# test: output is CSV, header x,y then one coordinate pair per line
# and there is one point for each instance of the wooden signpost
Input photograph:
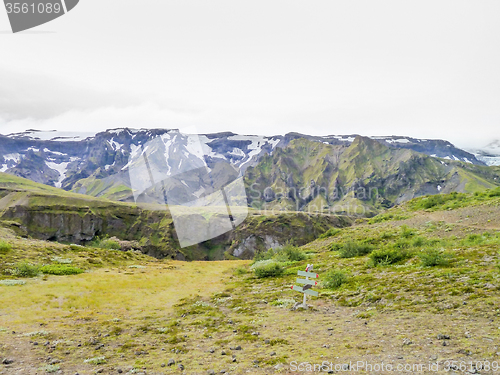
x,y
307,284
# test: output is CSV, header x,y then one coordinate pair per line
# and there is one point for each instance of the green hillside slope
x,y
360,179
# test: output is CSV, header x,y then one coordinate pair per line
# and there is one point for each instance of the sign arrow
x,y
308,274
307,282
307,291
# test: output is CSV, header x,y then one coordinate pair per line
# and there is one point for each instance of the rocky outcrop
x,y
75,219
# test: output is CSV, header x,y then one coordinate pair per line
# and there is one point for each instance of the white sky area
x,y
427,69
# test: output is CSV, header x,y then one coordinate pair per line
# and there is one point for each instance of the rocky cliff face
x,y
52,214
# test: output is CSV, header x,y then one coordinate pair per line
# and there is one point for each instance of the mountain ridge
x,y
98,165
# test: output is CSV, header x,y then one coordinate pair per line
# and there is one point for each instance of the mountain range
x,y
292,171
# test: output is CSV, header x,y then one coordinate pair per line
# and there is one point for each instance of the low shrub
x,y
353,249
418,241
334,279
96,360
240,271
474,239
26,270
402,244
12,282
264,255
388,256
386,217
494,192
284,302
435,257
60,269
5,247
110,245
272,269
289,253
105,243
330,233
406,232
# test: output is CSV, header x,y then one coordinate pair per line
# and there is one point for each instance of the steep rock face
x,y
260,233
52,214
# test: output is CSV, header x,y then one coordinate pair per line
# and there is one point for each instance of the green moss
x,y
60,269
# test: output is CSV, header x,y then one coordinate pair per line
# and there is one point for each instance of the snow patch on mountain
x,y
115,145
16,157
11,160
52,135
489,154
61,168
46,150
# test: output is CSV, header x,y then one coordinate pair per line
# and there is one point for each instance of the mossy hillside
x,y
367,174
40,253
106,188
454,201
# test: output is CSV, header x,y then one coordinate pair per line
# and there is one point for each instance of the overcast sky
x,y
427,69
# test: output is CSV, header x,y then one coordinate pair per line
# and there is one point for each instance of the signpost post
x,y
307,284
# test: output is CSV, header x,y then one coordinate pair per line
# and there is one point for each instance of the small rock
x,y
99,371
237,348
464,351
443,337
211,350
163,365
54,361
223,352
7,361
211,372
407,342
445,343
272,353
267,341
171,362
255,333
181,367
120,371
